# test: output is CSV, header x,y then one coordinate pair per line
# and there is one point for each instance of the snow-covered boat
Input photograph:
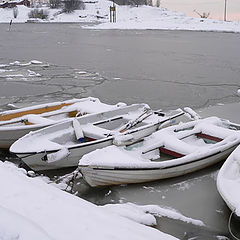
x,y
169,152
17,123
228,182
63,144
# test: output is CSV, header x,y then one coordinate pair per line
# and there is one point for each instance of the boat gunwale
x,y
37,109
79,145
152,168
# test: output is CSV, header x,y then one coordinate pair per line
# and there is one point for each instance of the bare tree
x,y
203,15
55,3
71,5
38,13
158,3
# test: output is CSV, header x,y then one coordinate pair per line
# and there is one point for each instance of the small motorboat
x,y
169,152
17,123
228,182
63,144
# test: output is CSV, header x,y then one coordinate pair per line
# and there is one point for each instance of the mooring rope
x,y
72,181
229,226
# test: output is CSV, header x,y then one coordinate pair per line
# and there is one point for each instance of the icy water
x,y
162,68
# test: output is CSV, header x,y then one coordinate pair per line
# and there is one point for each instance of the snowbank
x,y
128,17
146,17
49,213
144,214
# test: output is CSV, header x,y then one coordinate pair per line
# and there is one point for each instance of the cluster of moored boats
x,y
121,144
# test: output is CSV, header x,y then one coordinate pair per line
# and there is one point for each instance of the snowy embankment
x,y
33,209
128,17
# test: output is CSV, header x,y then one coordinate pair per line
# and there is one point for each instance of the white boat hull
x,y
14,124
35,162
228,182
9,136
97,177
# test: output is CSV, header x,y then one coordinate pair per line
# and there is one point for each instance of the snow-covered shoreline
x,y
32,209
96,16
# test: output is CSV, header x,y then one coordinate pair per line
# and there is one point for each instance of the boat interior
x,y
183,147
45,115
94,131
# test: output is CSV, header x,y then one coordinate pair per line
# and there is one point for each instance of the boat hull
x,y
228,182
35,162
97,177
15,124
10,135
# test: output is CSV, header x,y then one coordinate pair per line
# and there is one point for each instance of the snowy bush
x,y
55,3
38,13
71,5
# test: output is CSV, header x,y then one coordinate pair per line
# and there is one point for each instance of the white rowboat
x,y
170,152
58,146
228,182
17,123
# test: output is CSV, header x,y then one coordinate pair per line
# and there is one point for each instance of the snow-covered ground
x,y
32,209
142,17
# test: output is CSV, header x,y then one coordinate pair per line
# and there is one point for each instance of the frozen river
x,y
166,69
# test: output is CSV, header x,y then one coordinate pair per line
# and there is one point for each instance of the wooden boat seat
x,y
34,111
179,147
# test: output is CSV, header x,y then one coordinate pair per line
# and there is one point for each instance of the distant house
x,y
14,3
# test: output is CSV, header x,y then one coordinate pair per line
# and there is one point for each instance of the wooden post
x,y
110,14
113,13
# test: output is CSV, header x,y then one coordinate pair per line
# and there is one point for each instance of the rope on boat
x,y
229,226
75,174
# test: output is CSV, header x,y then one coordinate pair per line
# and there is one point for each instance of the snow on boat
x,y
63,144
228,182
17,123
169,152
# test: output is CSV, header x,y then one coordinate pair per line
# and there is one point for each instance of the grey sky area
x,y
215,7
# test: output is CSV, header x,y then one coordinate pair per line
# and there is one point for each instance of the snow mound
x,y
49,213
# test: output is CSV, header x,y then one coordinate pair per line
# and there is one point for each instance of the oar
x,y
132,123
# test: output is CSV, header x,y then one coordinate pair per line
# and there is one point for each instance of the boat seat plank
x,y
95,132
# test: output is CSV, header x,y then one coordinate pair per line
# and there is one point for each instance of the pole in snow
x,y
10,24
225,10
113,13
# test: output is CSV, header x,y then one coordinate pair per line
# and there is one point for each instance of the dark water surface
x,y
163,68
166,69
